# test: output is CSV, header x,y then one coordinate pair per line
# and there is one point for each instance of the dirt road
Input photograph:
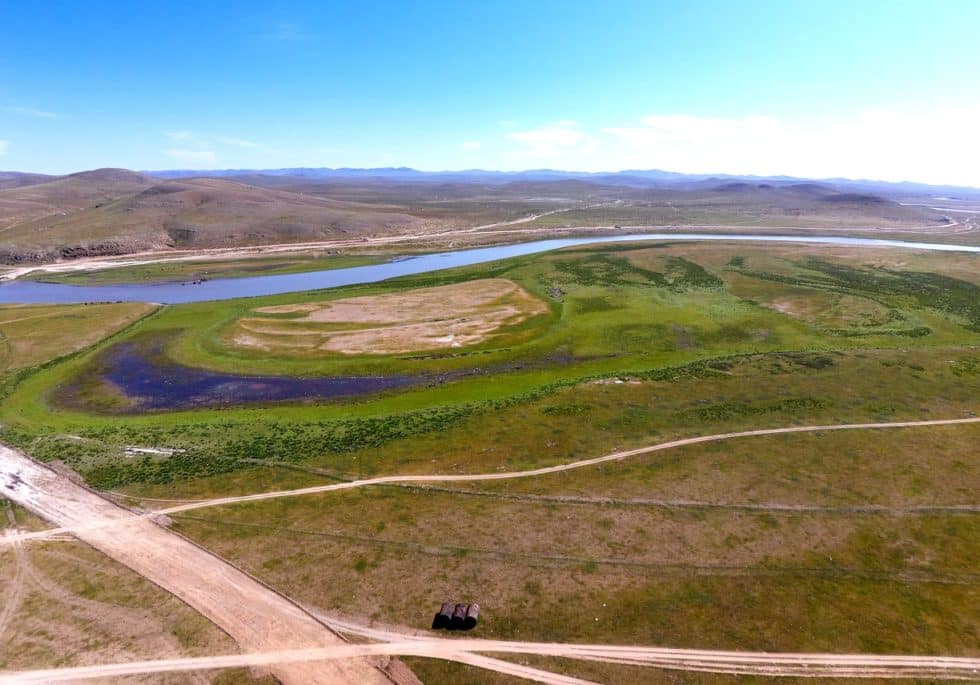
x,y
452,478
257,618
705,661
278,634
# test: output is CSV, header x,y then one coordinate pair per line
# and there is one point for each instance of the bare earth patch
x,y
445,316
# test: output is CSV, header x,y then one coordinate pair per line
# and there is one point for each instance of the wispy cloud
x,y
471,145
241,142
180,136
291,32
192,156
4,146
201,148
558,141
31,112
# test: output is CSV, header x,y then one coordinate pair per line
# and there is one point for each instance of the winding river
x,y
33,292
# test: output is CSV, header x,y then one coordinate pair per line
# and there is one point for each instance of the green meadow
x,y
858,540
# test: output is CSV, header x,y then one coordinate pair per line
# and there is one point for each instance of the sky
x,y
856,89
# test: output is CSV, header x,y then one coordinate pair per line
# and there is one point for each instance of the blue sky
x,y
861,89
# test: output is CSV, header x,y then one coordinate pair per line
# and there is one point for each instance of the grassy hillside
x,y
116,212
15,179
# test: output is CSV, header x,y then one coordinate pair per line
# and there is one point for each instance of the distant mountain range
x,y
117,211
640,178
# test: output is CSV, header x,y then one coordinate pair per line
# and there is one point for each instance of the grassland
x,y
685,548
743,205
637,311
849,541
64,603
33,335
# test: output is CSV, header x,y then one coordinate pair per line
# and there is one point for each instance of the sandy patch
x,y
435,318
787,307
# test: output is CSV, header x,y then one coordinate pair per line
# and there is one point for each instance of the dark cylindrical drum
x,y
472,616
459,617
443,616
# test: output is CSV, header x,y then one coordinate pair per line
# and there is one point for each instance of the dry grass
x,y
34,334
66,604
442,317
679,575
117,212
680,572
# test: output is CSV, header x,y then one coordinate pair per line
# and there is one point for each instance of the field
x,y
32,335
103,612
826,541
441,317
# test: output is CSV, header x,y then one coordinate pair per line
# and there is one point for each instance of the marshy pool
x,y
137,376
141,378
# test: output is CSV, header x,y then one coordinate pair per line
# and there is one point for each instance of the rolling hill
x,y
117,211
113,211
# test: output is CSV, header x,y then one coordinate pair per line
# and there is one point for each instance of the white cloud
x,y
471,145
694,144
556,144
193,157
4,146
36,113
937,146
930,145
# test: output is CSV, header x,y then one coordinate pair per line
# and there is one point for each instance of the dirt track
x,y
708,661
453,478
278,634
257,618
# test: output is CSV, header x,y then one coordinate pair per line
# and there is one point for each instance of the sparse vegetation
x,y
848,541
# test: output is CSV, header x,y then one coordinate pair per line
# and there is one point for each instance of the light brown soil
x,y
256,617
425,319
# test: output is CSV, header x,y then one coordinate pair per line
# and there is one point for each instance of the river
x,y
34,292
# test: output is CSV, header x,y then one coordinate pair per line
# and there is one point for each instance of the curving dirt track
x,y
6,473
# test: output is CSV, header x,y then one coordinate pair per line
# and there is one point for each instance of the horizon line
x,y
538,170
